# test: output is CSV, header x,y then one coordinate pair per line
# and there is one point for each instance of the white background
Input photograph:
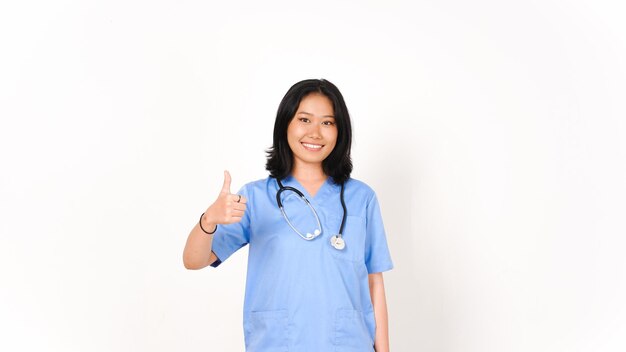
x,y
492,131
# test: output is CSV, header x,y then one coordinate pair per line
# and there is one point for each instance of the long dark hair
x,y
338,164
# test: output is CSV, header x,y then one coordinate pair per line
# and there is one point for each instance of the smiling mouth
x,y
312,147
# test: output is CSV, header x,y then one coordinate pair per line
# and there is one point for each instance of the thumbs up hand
x,y
228,208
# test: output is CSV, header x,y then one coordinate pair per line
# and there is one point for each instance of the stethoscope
x,y
336,241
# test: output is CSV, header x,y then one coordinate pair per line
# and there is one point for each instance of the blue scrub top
x,y
306,295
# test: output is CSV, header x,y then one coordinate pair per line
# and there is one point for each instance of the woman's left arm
x,y
377,292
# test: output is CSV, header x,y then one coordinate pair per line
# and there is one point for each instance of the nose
x,y
314,131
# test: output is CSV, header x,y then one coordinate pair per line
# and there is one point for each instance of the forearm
x,y
379,302
197,253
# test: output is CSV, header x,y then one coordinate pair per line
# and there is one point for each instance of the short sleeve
x,y
231,237
377,257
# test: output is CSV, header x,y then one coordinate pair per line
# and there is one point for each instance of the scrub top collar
x,y
328,188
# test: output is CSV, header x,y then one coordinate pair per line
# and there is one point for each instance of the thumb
x,y
226,186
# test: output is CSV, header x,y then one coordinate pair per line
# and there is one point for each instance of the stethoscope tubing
x,y
345,212
301,195
282,210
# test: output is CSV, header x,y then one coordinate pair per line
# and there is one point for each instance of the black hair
x,y
338,164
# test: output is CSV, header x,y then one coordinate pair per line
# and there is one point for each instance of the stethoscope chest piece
x,y
337,242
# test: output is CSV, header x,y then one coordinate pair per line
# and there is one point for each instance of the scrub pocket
x,y
351,333
354,236
266,331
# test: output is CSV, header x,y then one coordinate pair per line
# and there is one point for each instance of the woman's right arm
x,y
198,253
227,209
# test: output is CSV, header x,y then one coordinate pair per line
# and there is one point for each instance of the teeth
x,y
312,146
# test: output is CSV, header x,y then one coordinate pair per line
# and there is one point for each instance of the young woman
x,y
317,241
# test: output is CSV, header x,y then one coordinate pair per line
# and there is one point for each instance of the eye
x,y
304,119
328,123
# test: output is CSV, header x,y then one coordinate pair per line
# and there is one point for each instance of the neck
x,y
308,172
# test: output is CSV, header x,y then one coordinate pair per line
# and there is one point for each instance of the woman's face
x,y
312,133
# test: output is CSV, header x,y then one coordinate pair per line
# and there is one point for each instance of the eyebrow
x,y
308,113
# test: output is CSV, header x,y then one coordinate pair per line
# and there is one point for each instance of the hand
x,y
228,208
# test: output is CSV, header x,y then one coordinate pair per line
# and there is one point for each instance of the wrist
x,y
206,225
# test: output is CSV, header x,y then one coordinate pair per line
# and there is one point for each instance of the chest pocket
x,y
354,237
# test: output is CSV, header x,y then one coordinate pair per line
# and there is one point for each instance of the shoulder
x,y
259,185
359,186
360,189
